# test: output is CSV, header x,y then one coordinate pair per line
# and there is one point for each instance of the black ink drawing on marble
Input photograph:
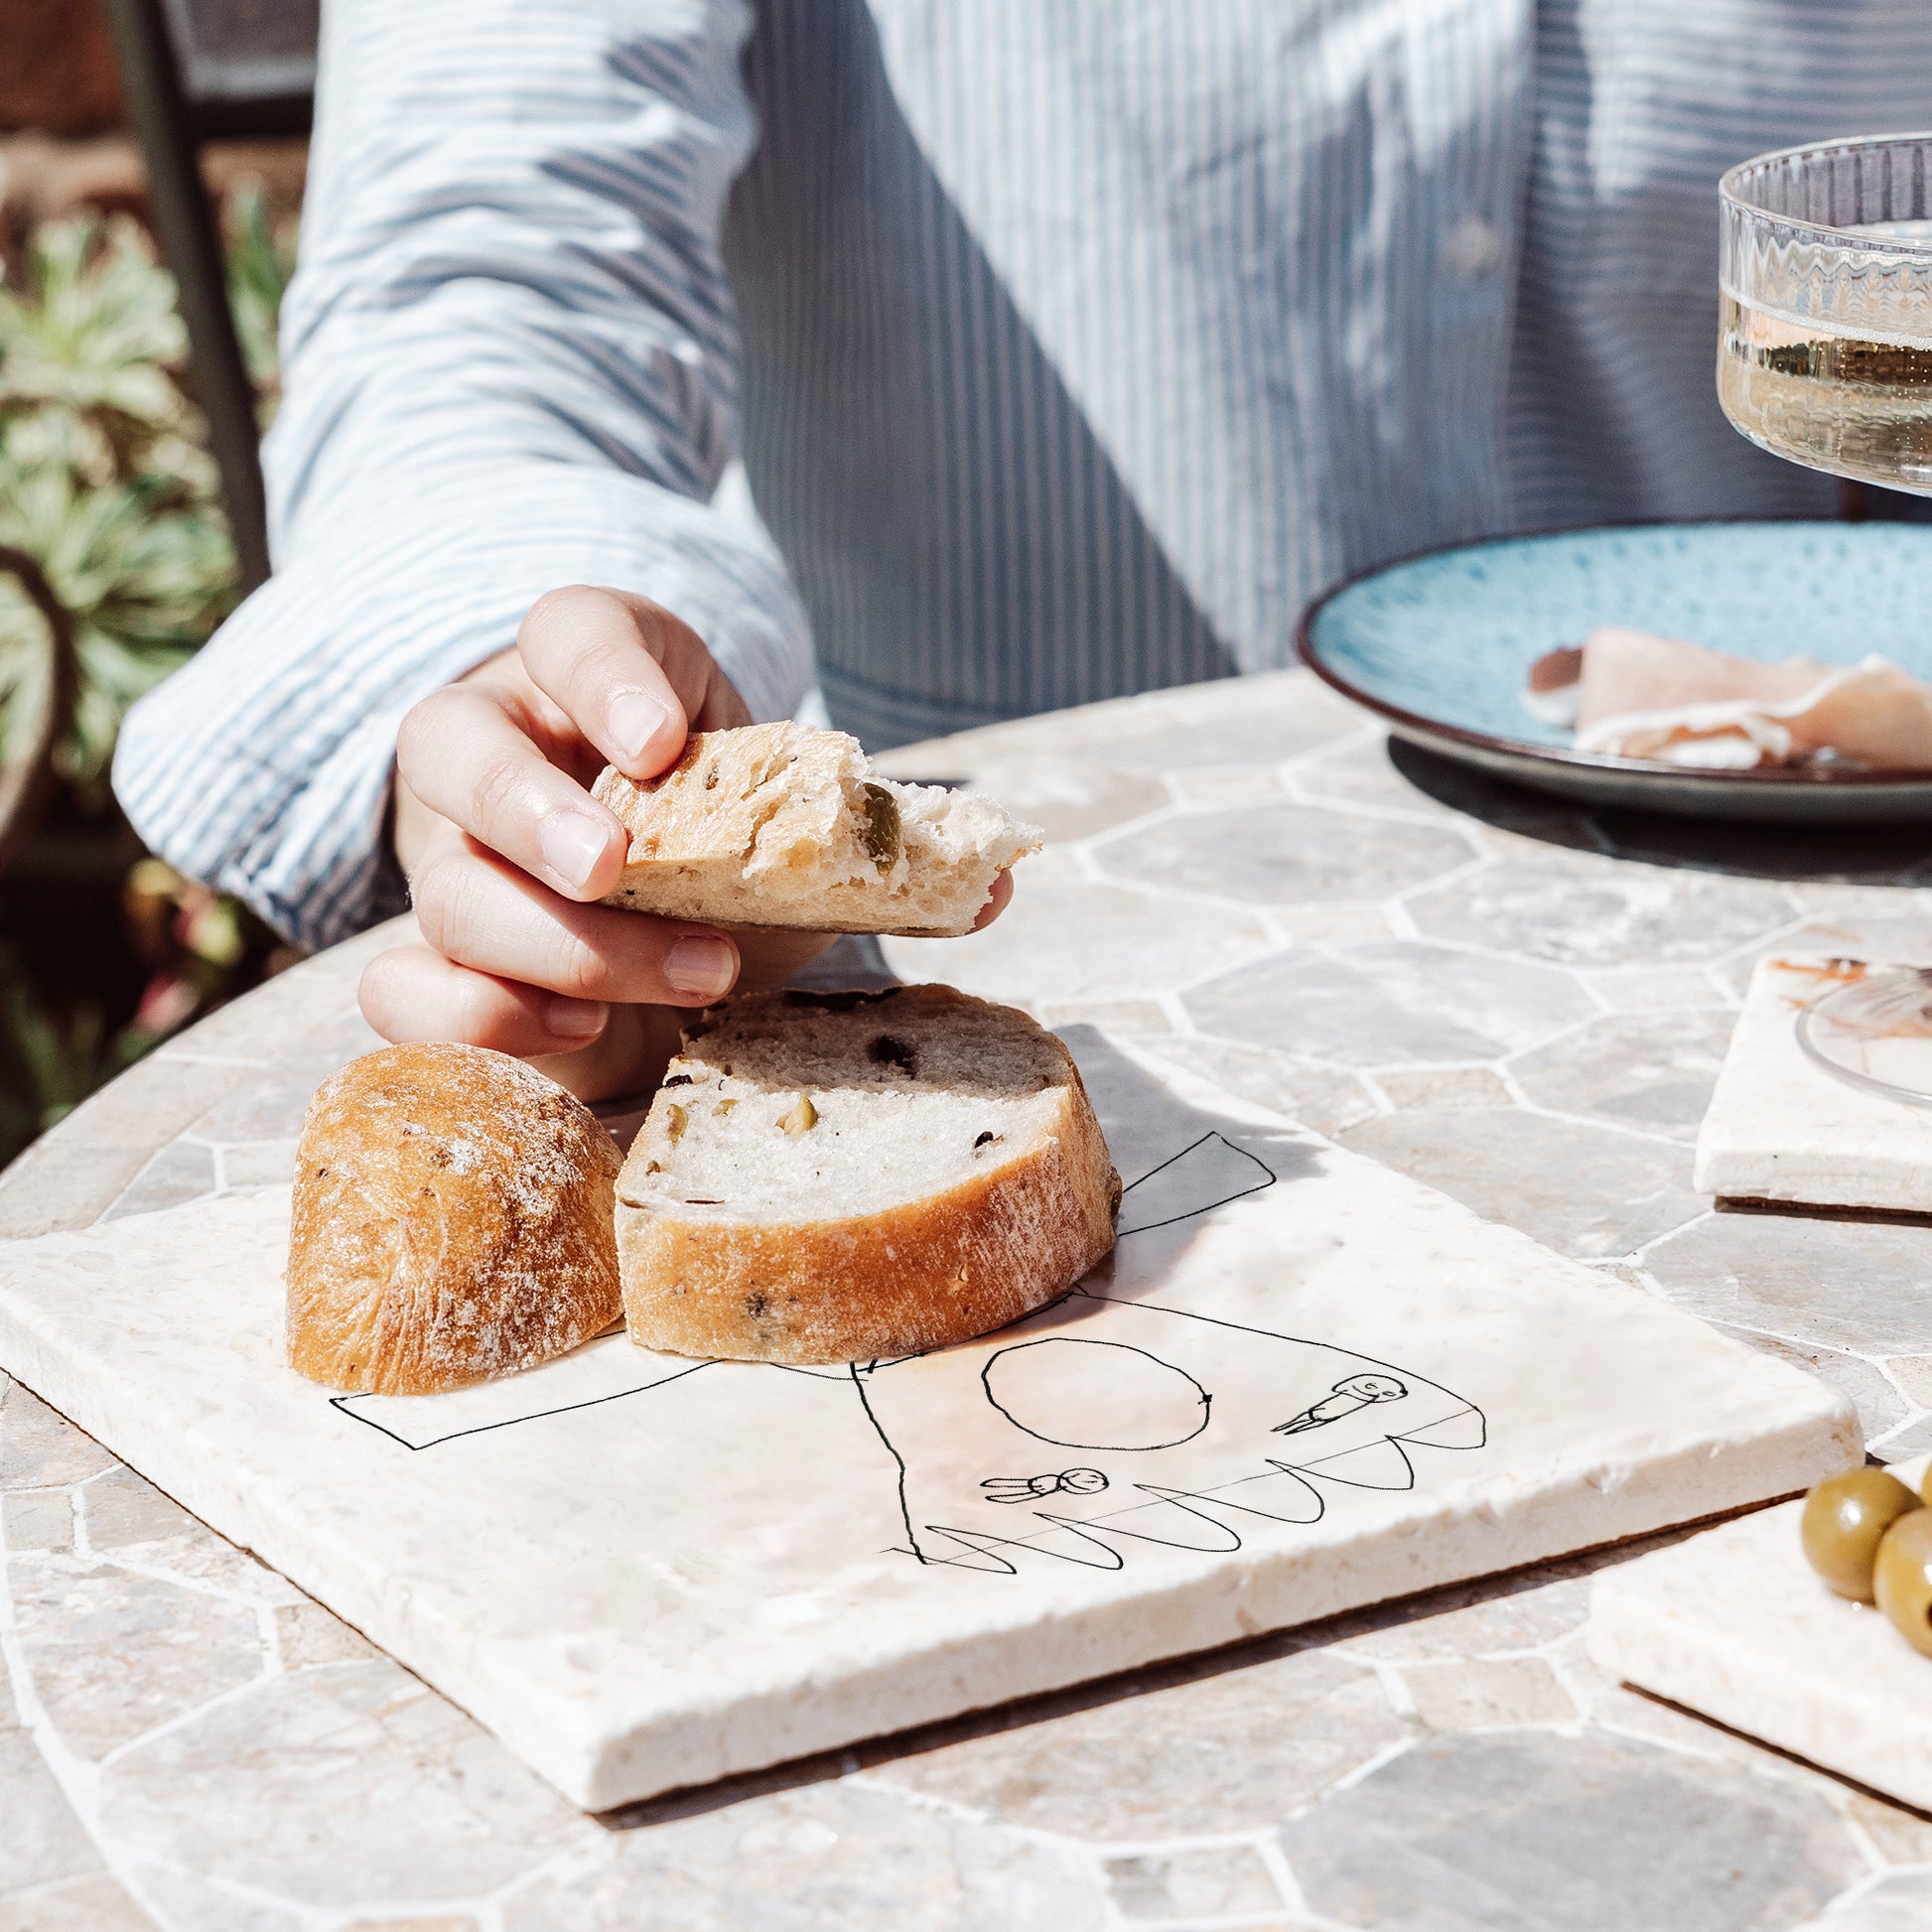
x,y
1176,1428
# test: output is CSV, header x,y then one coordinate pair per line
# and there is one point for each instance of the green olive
x,y
1903,1578
1845,1517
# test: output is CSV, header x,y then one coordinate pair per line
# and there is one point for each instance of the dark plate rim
x,y
1418,723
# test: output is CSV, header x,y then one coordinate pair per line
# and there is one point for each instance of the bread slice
x,y
844,1176
452,1222
776,825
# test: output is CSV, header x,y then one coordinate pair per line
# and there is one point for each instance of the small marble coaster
x,y
1301,1383
1733,1624
1781,1128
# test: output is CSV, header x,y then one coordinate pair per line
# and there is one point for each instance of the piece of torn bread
x,y
844,1177
777,825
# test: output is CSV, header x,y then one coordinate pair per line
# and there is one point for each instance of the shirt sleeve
x,y
510,363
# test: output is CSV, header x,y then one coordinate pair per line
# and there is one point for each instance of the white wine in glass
x,y
1825,335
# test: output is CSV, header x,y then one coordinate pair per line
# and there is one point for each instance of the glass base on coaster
x,y
1874,1033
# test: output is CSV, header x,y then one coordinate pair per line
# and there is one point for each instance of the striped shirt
x,y
1070,346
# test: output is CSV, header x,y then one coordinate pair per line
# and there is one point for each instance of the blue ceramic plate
x,y
1439,644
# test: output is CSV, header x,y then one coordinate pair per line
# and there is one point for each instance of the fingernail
x,y
701,968
570,1018
572,842
635,719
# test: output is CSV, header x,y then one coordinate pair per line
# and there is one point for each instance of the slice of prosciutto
x,y
1633,695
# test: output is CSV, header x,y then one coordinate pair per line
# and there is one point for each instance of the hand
x,y
508,853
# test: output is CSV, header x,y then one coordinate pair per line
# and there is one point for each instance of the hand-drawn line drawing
x,y
1026,1489
1172,1409
1352,1392
1155,1490
1151,1400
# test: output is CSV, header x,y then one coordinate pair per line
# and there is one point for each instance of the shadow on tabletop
x,y
1776,852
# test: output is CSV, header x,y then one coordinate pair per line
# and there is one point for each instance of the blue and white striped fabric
x,y
1070,346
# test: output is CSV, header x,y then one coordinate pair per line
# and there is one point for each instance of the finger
x,y
997,900
632,677
482,913
462,754
413,993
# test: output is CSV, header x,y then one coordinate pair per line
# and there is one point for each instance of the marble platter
x,y
1732,1623
1304,1382
1780,1128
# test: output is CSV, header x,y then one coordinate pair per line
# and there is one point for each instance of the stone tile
x,y
1284,855
50,1188
1339,923
1582,911
1669,990
1462,1088
1126,1016
122,1509
112,1654
37,1519
1068,799
85,1905
1900,1836
9,1710
126,1516
262,1108
1225,1754
1653,1071
1484,1624
1583,1190
1486,1692
442,1922
1320,1097
261,1026
1913,1374
1880,1404
1246,724
42,1840
148,1104
842,1856
40,1449
182,1170
189,1900
1900,1446
1385,772
1897,1904
1533,1831
1389,1005
1845,1283
1215,1882
264,1163
309,1634
1231,785
433,1806
1067,939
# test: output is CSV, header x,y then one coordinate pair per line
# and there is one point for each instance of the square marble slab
x,y
1733,1625
1303,1383
1780,1128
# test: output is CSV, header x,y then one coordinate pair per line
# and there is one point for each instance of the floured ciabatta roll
x,y
452,1222
776,825
837,1176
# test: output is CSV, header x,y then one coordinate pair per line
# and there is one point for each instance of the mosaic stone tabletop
x,y
1518,1002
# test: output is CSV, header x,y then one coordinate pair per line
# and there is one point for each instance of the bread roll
x,y
452,1222
829,1177
774,825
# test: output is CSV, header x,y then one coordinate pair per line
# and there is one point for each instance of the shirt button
x,y
1471,249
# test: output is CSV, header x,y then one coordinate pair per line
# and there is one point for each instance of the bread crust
x,y
452,1221
955,1264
